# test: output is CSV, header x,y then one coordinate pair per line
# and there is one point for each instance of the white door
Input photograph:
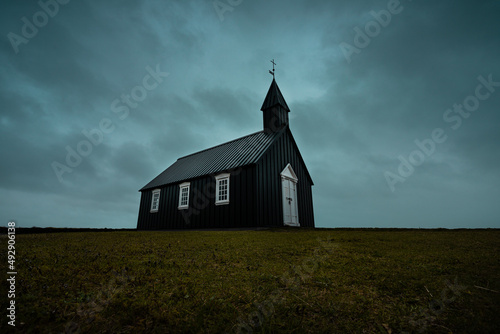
x,y
289,191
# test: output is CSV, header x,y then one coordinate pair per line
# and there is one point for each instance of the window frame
x,y
182,186
218,179
153,193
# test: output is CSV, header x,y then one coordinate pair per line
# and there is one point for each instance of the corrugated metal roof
x,y
274,98
236,153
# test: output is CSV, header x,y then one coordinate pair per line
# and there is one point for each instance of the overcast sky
x,y
162,79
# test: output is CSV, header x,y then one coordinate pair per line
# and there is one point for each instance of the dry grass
x,y
274,281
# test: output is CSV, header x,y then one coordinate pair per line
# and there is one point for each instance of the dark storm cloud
x,y
352,120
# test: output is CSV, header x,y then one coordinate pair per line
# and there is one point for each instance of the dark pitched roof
x,y
274,98
236,153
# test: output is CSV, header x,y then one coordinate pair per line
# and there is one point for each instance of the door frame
x,y
289,175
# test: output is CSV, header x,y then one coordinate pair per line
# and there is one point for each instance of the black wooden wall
x,y
269,169
203,213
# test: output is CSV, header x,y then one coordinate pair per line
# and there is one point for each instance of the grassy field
x,y
272,281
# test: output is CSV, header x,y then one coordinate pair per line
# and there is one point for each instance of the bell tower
x,y
275,110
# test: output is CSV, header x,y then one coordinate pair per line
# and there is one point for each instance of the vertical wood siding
x,y
269,169
203,213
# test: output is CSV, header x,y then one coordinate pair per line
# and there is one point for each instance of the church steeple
x,y
275,110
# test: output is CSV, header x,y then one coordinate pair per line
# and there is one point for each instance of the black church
x,y
259,180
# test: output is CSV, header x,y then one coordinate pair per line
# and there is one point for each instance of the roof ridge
x,y
213,147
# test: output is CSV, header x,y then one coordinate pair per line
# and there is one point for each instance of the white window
x,y
222,189
184,195
155,201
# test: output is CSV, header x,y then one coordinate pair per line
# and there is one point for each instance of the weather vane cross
x,y
272,72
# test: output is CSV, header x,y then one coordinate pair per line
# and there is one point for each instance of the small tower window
x,y
155,200
184,195
222,189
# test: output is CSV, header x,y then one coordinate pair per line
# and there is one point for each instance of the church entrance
x,y
289,192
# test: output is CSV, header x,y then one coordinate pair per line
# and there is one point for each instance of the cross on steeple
x,y
272,72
